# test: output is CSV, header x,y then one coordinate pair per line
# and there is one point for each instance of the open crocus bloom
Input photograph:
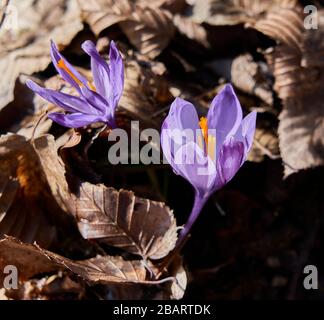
x,y
209,152
96,101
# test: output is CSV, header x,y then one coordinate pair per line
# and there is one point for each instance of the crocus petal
x,y
74,120
179,127
56,57
95,99
168,146
224,115
182,116
99,68
248,129
229,161
192,164
116,74
65,101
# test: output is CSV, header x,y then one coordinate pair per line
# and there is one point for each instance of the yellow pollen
x,y
91,85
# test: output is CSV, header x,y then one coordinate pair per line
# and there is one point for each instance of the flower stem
x,y
196,209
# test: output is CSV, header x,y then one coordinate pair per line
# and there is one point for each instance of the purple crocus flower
x,y
209,152
97,101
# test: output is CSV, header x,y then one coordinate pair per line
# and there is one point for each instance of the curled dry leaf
x,y
73,139
149,29
284,25
101,14
31,260
288,72
178,286
26,205
265,144
298,82
122,278
252,77
26,257
60,20
103,269
146,92
118,218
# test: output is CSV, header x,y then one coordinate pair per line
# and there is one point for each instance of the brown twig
x,y
42,116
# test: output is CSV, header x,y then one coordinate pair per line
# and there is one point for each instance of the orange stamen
x,y
61,64
210,140
203,123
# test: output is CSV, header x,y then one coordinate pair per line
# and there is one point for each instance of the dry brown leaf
x,y
265,144
313,45
103,269
191,29
26,205
3,295
24,49
101,14
301,132
252,77
31,260
217,12
149,29
28,260
146,92
284,25
123,278
288,73
232,12
178,286
174,6
54,287
118,218
299,83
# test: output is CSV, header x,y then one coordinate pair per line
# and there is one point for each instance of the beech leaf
x,y
31,260
149,29
26,205
118,218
